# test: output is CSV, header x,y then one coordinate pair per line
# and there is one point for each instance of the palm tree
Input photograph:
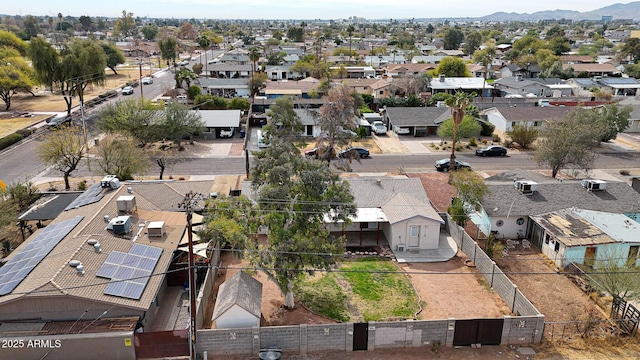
x,y
485,57
204,42
254,56
350,30
458,104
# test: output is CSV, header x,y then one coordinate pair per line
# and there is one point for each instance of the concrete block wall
x,y
327,337
522,329
225,341
285,337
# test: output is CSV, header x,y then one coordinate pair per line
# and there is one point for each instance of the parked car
x,y
379,128
492,150
127,90
147,80
227,132
318,152
184,63
362,152
443,165
401,131
59,120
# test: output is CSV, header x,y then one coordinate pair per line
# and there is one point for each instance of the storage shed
x,y
238,303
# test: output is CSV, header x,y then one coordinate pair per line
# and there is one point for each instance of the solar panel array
x,y
129,272
90,196
21,264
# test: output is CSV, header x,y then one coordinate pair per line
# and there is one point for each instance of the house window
x,y
546,238
633,253
414,231
381,92
513,123
536,123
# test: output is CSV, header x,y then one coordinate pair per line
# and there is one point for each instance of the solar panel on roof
x,y
90,196
129,272
21,264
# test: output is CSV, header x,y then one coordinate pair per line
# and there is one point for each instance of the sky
x,y
291,9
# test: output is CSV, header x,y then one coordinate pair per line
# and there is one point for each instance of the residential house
x,y
413,69
238,303
582,86
596,238
634,118
217,120
576,59
296,89
619,86
420,121
380,61
309,119
451,85
357,72
361,86
516,195
282,72
476,70
512,70
593,69
519,85
236,57
106,257
456,53
427,59
229,71
505,117
227,88
381,89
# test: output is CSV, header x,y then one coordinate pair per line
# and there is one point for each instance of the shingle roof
x,y
402,207
551,195
54,277
242,290
417,116
372,191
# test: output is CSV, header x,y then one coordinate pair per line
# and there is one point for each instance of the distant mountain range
x,y
618,11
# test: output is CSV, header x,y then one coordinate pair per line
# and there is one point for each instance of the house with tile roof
x,y
105,257
574,235
593,69
505,117
238,303
516,195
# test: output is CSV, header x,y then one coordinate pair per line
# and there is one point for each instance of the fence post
x,y
493,272
515,293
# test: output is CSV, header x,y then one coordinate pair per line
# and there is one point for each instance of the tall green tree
x,y
184,77
70,71
31,26
121,157
168,47
15,74
131,118
86,23
177,122
63,149
126,25
204,43
523,134
614,119
114,55
336,121
485,57
296,197
452,66
569,142
472,42
468,128
149,31
453,37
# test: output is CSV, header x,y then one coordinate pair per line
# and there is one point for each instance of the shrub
x,y
193,91
472,142
487,128
496,138
484,141
25,132
625,172
82,185
458,147
9,140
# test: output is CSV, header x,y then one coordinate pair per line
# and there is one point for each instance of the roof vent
x,y
130,190
156,228
97,247
80,269
74,263
92,242
107,218
126,203
594,185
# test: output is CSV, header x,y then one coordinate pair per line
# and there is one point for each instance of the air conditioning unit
x,y
126,203
156,228
110,182
526,187
594,185
120,225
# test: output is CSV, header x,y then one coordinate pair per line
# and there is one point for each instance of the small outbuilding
x,y
238,302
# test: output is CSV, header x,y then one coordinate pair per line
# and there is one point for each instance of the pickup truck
x,y
379,128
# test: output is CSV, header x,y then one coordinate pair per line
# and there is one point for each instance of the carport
x,y
421,121
215,120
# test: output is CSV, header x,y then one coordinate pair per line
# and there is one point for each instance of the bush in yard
x,y
496,138
193,91
472,142
523,134
487,128
9,140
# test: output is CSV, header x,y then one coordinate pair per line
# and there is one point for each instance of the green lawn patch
x,y
361,290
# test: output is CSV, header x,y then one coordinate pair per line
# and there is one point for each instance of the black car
x,y
443,165
317,152
492,150
352,151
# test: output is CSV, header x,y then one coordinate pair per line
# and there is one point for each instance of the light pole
x,y
141,84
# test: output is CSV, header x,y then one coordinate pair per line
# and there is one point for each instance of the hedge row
x,y
9,140
100,98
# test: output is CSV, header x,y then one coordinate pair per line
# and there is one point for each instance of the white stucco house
x,y
238,303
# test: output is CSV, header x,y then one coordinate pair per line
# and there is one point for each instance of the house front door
x,y
414,236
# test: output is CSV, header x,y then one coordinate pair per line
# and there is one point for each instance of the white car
x,y
147,81
401,130
127,90
379,128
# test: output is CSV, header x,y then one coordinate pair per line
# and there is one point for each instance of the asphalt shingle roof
x,y
417,116
242,289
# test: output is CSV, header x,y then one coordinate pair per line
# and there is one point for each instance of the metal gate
x,y
161,344
360,336
478,331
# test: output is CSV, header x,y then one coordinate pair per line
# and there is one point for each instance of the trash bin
x,y
242,133
96,141
263,123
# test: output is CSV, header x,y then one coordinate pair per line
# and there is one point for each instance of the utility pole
x,y
190,199
141,84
